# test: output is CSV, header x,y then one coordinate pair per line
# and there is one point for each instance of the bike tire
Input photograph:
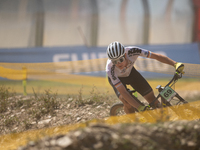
x,y
183,114
181,99
195,111
117,109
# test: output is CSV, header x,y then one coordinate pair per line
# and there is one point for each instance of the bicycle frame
x,y
167,92
166,98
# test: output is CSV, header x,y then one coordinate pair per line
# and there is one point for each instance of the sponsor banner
x,y
51,54
186,53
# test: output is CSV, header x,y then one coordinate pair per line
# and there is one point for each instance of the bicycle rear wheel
x,y
117,109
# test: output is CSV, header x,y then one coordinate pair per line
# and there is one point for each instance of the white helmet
x,y
115,50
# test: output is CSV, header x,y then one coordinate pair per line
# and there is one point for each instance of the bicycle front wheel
x,y
183,109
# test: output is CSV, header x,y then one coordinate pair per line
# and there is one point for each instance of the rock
x,y
31,143
34,122
78,119
16,128
53,142
191,144
196,126
68,105
44,121
64,142
179,128
98,106
98,145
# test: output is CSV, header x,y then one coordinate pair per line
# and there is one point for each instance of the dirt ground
x,y
26,113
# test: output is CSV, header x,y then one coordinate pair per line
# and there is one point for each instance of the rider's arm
x,y
162,58
125,94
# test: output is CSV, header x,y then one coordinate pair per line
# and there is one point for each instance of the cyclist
x,y
121,72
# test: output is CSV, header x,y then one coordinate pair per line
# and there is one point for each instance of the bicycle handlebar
x,y
176,76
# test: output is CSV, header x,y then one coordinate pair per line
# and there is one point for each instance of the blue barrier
x,y
187,53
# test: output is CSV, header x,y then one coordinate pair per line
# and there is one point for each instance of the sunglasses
x,y
120,60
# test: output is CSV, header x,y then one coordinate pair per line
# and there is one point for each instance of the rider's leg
x,y
127,107
150,97
140,84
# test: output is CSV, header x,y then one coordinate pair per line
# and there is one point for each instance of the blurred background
x,y
48,39
33,23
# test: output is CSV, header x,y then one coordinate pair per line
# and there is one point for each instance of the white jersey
x,y
132,54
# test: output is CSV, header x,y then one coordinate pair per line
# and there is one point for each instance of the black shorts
x,y
136,80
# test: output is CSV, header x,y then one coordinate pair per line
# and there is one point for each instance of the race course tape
x,y
66,70
181,112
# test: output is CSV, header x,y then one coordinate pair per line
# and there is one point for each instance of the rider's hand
x,y
179,67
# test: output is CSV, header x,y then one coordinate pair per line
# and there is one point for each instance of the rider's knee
x,y
120,97
129,109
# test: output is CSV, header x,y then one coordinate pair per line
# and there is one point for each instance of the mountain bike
x,y
167,97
